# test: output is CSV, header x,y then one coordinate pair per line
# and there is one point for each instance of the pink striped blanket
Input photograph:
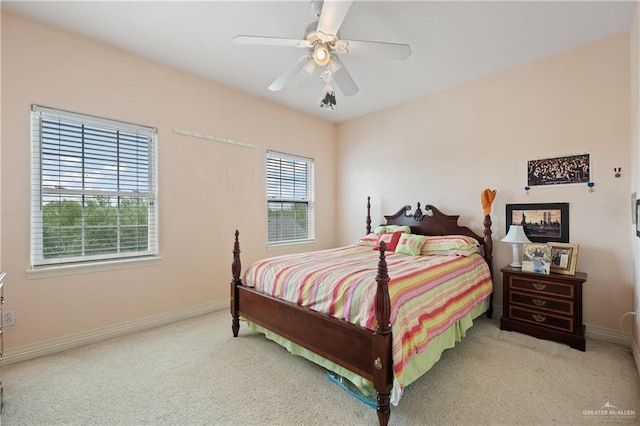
x,y
428,293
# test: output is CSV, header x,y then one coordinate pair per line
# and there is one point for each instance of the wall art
x,y
542,222
559,170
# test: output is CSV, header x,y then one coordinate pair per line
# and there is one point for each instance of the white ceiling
x,y
452,42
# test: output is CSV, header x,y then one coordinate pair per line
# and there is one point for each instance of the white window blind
x,y
289,198
93,189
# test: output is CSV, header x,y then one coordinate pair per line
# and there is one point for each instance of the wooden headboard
x,y
432,221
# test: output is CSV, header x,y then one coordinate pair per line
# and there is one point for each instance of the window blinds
x,y
93,188
289,198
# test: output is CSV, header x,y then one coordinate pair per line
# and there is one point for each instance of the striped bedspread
x,y
428,293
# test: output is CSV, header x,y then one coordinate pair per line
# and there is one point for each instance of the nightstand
x,y
543,306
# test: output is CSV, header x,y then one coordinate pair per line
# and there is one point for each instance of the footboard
x,y
362,351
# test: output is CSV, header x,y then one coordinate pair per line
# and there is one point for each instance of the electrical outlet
x,y
9,318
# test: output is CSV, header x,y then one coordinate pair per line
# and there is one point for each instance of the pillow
x,y
411,244
448,242
390,238
392,228
369,240
402,228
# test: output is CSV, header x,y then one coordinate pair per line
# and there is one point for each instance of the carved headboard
x,y
432,221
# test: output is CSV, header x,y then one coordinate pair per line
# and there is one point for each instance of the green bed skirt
x,y
418,365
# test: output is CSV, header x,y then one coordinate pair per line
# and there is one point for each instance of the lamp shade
x,y
516,235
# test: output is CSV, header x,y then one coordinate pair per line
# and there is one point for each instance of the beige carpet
x,y
194,373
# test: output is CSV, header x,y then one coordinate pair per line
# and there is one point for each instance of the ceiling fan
x,y
323,44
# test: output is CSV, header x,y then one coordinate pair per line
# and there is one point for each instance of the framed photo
x,y
543,222
559,170
536,258
564,258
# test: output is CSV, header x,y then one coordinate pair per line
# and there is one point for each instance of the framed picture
x,y
564,258
559,170
543,222
536,258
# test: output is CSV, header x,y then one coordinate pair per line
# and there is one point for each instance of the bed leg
x,y
383,409
236,267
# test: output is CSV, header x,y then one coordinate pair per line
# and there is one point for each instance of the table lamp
x,y
516,236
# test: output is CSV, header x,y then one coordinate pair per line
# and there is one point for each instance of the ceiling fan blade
x,y
282,81
310,67
373,48
331,17
342,78
271,41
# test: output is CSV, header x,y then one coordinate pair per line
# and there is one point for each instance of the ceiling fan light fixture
x,y
321,55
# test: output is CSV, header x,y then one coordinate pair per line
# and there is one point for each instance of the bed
x,y
361,346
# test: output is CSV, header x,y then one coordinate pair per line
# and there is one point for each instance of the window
x,y
289,198
93,189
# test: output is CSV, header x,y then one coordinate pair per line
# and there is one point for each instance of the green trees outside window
x,y
100,225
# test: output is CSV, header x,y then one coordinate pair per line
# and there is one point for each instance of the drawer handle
x,y
539,286
539,318
539,302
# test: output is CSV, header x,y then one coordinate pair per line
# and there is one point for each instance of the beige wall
x,y
1,140
207,189
635,164
446,148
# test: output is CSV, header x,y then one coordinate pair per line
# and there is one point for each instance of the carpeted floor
x,y
194,373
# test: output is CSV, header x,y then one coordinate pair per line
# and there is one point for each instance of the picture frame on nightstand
x,y
564,258
536,258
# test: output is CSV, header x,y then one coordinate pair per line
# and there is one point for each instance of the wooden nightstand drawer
x,y
539,302
541,286
541,318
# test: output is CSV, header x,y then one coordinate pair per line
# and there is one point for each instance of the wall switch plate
x,y
8,318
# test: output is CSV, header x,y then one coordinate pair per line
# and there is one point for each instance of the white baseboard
x,y
59,344
636,353
607,335
591,332
497,312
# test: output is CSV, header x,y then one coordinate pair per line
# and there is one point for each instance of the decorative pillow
x,y
411,244
392,228
402,228
448,242
390,238
369,240
380,229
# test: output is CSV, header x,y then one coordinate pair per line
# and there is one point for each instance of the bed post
x,y
368,221
488,255
236,267
488,242
382,362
